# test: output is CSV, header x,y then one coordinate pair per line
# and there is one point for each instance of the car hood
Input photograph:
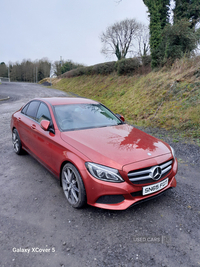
x,y
115,146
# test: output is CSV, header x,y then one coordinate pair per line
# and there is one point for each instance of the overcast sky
x,y
34,29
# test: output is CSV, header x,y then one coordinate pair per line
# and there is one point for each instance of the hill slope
x,y
169,98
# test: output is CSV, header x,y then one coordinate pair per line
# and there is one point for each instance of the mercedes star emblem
x,y
156,173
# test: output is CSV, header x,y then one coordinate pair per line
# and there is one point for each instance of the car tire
x,y
73,186
17,145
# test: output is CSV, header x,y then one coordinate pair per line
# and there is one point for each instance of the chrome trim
x,y
147,173
166,169
162,166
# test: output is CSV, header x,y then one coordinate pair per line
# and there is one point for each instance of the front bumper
x,y
120,196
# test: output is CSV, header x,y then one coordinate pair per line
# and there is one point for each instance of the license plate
x,y
154,188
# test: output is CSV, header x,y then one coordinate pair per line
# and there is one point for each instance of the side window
x,y
25,109
32,109
43,113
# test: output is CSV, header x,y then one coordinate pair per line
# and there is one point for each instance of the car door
x,y
26,122
44,142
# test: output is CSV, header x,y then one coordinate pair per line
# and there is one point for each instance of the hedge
x,y
122,67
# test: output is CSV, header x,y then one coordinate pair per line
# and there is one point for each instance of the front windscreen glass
x,y
83,116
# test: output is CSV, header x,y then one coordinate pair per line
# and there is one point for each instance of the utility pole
x,y
50,74
8,73
35,74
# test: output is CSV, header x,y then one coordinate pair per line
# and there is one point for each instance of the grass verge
x,y
168,98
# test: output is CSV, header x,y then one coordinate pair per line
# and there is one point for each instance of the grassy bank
x,y
169,98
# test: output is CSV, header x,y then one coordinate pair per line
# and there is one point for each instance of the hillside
x,y
168,98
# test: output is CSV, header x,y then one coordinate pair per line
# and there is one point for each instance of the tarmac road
x,y
39,228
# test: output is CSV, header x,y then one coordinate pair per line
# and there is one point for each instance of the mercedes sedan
x,y
97,157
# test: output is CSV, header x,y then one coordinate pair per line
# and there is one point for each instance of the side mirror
x,y
45,124
121,117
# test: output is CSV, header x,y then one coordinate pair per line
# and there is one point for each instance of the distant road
x,y
26,91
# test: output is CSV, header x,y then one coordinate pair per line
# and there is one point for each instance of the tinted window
x,y
25,109
32,109
43,113
82,116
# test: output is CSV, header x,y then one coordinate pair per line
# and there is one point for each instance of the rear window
x,y
25,109
31,111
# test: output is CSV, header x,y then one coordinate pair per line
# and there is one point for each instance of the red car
x,y
98,158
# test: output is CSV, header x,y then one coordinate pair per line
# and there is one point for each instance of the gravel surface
x,y
188,149
39,228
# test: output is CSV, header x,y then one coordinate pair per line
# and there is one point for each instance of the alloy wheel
x,y
70,186
15,140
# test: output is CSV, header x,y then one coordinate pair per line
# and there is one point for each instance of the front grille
x,y
144,176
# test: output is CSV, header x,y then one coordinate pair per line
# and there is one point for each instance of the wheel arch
x,y
75,161
81,198
20,150
61,167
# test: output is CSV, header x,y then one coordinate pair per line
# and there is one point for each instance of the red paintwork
x,y
122,147
45,124
116,146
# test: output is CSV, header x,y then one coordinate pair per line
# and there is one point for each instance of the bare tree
x,y
143,41
118,38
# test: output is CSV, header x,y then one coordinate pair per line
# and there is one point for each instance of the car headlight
x,y
173,152
104,173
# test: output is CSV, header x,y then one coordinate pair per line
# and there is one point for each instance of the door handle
x,y
33,126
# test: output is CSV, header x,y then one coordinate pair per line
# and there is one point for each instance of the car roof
x,y
67,100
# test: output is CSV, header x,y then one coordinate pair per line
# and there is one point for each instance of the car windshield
x,y
83,116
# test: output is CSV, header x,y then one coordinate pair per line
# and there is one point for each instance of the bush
x,y
122,67
146,60
74,73
127,66
69,65
104,68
